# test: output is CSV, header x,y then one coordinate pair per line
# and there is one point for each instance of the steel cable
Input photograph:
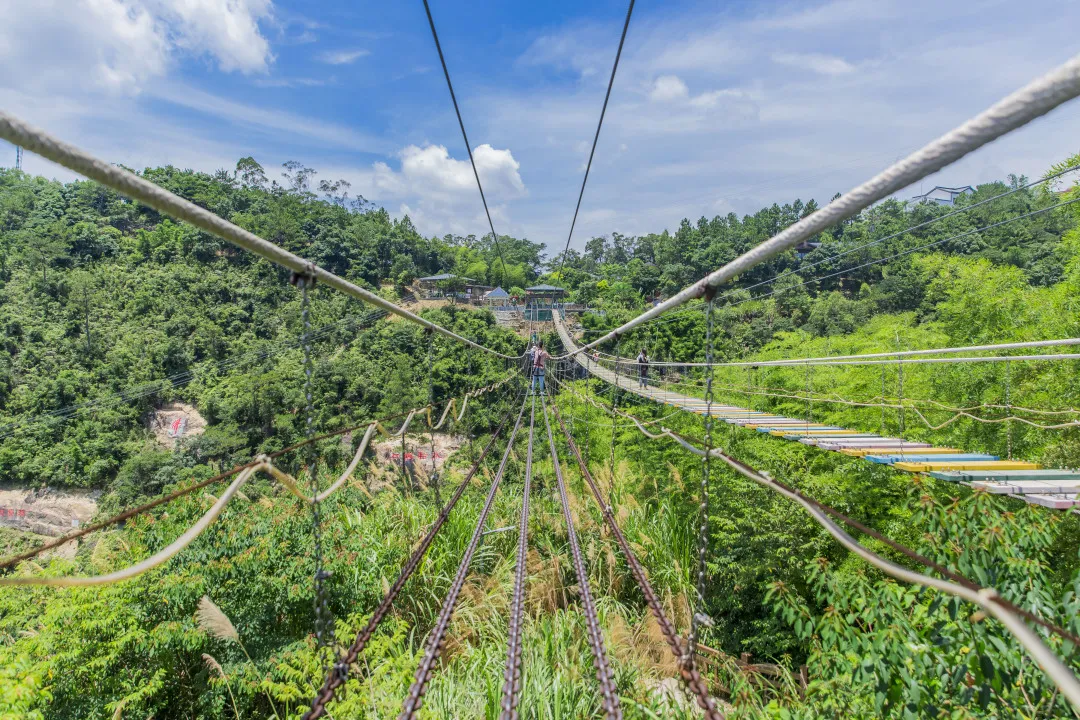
x,y
335,679
464,135
688,672
596,137
608,695
415,698
511,692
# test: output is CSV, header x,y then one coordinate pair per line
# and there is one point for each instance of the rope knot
x,y
305,278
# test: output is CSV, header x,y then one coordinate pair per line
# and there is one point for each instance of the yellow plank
x,y
967,465
864,451
812,432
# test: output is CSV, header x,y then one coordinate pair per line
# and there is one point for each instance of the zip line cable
x,y
464,135
1032,101
138,188
596,137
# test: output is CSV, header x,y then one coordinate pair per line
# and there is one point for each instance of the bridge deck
x,y
1058,489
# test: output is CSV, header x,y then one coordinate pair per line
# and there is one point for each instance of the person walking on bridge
x,y
539,355
643,368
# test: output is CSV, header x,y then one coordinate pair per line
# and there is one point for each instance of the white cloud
x,y
273,82
683,112
430,172
342,57
719,120
279,122
668,88
121,45
228,30
436,189
815,62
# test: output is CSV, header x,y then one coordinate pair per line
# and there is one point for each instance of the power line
x,y
464,135
596,137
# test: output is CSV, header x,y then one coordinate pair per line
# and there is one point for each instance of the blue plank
x,y
789,428
890,459
1005,475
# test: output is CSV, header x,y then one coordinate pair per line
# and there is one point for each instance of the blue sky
x,y
718,107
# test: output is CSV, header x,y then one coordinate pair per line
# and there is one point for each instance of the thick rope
x,y
1018,109
262,463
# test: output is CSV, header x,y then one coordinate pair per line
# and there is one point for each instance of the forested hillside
x,y
108,311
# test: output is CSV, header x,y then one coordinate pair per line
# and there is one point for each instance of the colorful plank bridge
x,y
1059,489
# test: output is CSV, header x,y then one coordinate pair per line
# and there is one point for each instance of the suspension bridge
x,y
1026,480
1054,488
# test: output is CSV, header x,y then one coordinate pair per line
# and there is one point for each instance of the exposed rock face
x,y
45,511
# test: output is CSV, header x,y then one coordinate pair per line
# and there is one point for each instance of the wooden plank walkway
x,y
1059,489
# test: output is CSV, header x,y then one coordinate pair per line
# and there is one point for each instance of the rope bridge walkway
x,y
1012,616
1027,481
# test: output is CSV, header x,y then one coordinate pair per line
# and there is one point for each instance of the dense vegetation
x,y
108,310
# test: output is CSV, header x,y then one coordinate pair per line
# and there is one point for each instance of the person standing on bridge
x,y
643,368
539,355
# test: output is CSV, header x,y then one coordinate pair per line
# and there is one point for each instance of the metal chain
x,y
608,694
434,476
750,402
468,419
809,392
1008,412
511,693
884,391
614,408
323,619
688,675
699,617
587,388
900,400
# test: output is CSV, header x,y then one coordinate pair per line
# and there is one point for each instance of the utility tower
x,y
18,158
